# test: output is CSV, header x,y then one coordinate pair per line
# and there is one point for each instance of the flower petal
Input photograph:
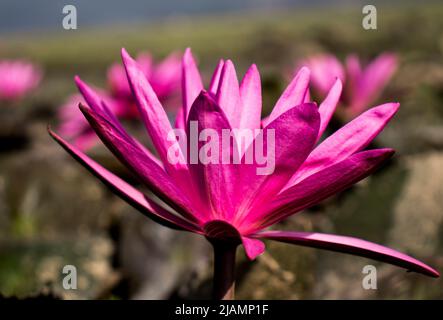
x,y
351,138
320,186
215,80
293,95
216,173
228,94
250,93
352,246
131,195
328,106
191,82
253,247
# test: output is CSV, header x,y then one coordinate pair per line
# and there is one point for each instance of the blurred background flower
x,y
363,84
17,78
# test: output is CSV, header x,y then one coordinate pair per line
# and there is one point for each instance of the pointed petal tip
x,y
83,87
124,52
53,134
382,153
304,70
228,64
126,58
253,247
385,109
431,272
338,83
187,55
79,82
253,68
83,107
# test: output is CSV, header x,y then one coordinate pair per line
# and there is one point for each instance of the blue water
x,y
43,15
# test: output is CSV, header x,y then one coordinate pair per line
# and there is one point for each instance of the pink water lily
x,y
230,204
17,78
164,76
363,85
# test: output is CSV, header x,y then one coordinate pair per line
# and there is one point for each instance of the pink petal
x,y
253,247
295,135
319,186
180,119
215,80
154,116
191,82
126,191
328,106
228,94
352,246
351,138
142,166
250,93
294,94
217,180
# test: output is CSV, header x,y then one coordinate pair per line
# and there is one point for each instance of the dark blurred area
x,y
54,213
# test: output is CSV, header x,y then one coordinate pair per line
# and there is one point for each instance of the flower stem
x,y
224,270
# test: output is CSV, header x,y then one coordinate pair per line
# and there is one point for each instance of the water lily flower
x,y
164,78
230,204
17,78
363,85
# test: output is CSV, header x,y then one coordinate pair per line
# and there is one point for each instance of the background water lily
x,y
363,83
17,78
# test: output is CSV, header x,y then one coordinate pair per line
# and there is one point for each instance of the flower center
x,y
221,231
